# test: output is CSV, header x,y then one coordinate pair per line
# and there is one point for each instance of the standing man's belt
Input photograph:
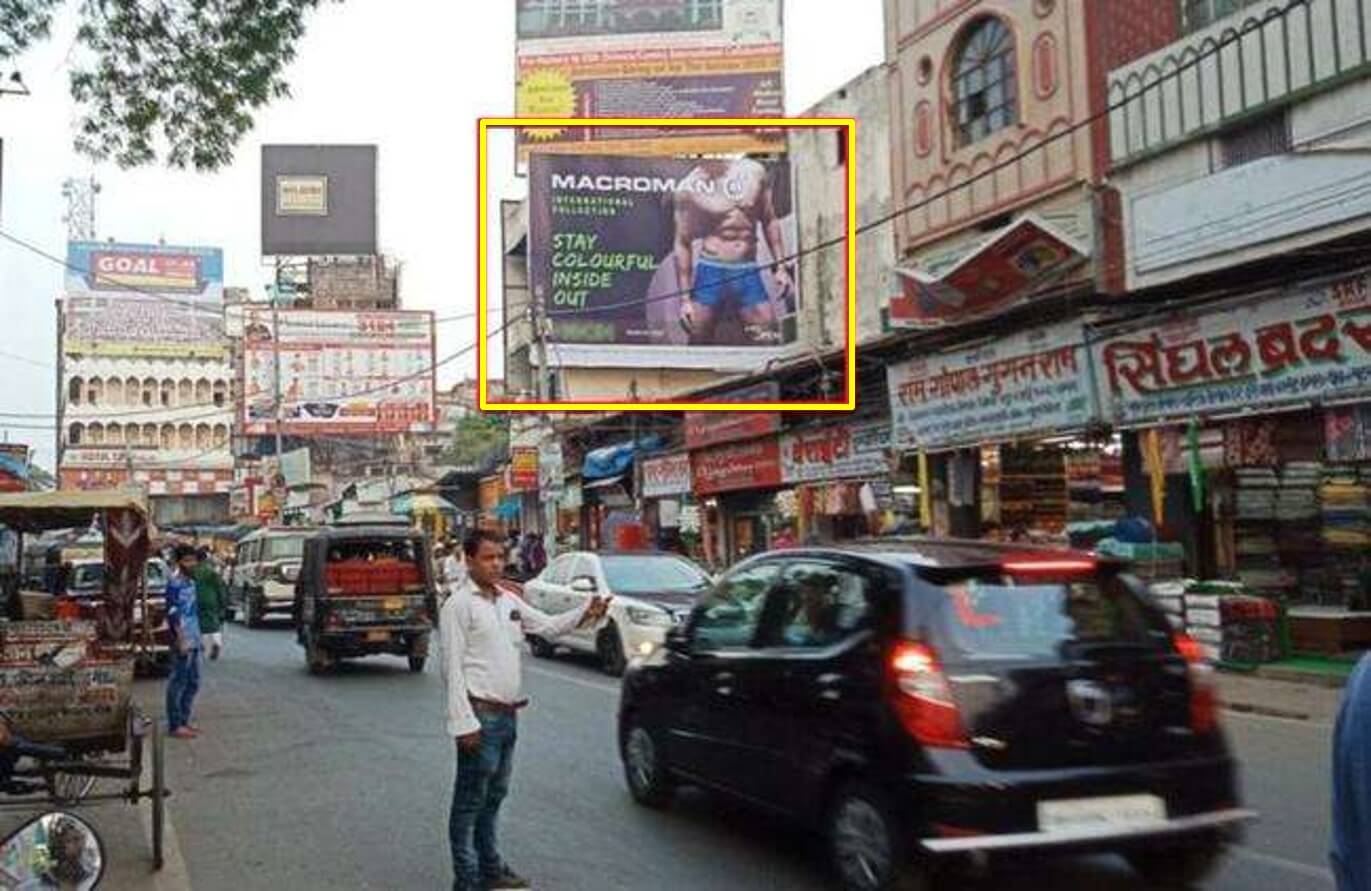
x,y
490,706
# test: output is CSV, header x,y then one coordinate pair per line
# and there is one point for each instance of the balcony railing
x,y
1268,55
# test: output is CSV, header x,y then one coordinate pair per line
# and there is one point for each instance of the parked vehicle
x,y
85,592
365,590
652,592
930,699
265,567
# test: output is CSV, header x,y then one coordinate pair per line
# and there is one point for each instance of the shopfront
x,y
840,480
738,484
1261,409
667,500
1004,429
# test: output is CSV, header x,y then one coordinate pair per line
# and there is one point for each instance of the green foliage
x,y
179,79
479,439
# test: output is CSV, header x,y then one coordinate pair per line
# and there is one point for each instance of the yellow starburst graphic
x,y
546,93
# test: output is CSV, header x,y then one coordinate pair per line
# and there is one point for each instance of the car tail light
x,y
1038,565
1204,698
66,609
923,699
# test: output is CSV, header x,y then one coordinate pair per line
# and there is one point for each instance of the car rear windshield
x,y
403,550
285,548
1036,618
646,574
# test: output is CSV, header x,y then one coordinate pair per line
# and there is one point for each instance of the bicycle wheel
x,y
159,796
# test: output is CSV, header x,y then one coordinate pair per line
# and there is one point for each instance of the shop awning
x,y
615,460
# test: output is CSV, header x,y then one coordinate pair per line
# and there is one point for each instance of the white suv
x,y
652,591
265,567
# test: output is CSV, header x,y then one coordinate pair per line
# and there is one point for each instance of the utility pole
x,y
276,374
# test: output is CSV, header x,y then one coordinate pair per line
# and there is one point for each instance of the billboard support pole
x,y
276,365
57,445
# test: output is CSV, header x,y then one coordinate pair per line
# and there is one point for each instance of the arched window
x,y
114,391
220,393
202,392
75,389
185,437
95,391
149,391
168,393
168,437
185,392
76,434
150,435
202,436
97,433
221,435
984,83
133,391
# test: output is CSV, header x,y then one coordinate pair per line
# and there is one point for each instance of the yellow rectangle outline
x,y
485,125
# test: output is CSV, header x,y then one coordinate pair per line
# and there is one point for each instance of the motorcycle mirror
x,y
56,850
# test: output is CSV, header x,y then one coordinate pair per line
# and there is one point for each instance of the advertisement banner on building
x,y
836,451
143,300
707,428
666,476
523,469
658,252
737,466
1036,381
186,457
295,468
14,467
1310,342
1003,272
650,59
551,470
342,372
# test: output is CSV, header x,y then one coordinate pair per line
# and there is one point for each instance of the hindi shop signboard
x,y
737,466
603,237
650,59
523,469
835,452
342,372
666,476
1033,382
1313,342
707,428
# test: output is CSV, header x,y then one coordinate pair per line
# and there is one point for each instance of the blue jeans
x,y
182,687
482,782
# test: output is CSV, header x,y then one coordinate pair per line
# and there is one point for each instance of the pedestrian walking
x,y
1351,854
482,627
454,570
183,616
210,599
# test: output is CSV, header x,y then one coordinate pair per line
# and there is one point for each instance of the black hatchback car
x,y
922,701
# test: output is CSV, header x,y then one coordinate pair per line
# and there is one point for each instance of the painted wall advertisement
x,y
1030,382
662,253
1312,342
342,372
144,300
706,428
835,452
666,476
650,59
740,465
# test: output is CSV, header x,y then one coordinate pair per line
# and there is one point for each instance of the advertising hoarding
x,y
1032,382
1310,342
343,372
144,300
662,253
318,200
523,469
836,451
666,476
649,59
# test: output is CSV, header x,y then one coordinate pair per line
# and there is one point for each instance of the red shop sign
x,y
707,428
738,466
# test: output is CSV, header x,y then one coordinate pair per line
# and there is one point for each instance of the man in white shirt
x,y
482,627
453,570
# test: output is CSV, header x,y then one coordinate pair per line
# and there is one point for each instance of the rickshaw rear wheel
x,y
159,795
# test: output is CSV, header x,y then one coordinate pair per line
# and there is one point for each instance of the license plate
x,y
393,604
1101,813
373,636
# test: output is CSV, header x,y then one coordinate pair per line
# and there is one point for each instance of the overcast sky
x,y
411,76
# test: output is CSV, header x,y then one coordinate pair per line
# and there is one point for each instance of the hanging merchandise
x,y
961,479
1151,442
1192,444
925,492
788,504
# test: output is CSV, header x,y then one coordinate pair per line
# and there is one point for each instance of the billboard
x,y
342,372
656,252
144,300
318,200
649,59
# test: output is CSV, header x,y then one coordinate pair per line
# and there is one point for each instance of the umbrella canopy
x,y
412,503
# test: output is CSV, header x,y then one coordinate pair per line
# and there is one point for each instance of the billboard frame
x,y
848,401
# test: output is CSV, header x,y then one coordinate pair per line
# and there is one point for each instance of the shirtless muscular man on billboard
x,y
720,204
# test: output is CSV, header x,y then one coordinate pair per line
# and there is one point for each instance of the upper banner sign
x,y
190,274
342,372
835,451
1313,342
1032,382
318,200
649,59
706,428
662,253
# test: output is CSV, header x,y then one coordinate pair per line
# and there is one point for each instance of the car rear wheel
x,y
864,843
649,781
1178,866
609,646
541,648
